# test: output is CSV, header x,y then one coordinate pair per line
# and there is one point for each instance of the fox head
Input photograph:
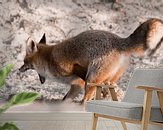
x,y
31,55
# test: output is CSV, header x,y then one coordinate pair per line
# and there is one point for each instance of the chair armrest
x,y
148,88
102,85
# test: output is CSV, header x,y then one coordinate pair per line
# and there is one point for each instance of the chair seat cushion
x,y
125,110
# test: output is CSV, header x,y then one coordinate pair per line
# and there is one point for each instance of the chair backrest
x,y
147,77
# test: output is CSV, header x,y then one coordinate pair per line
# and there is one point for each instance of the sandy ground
x,y
61,19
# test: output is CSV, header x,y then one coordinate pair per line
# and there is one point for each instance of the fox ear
x,y
30,46
43,40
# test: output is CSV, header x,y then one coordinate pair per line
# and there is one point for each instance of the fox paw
x,y
82,102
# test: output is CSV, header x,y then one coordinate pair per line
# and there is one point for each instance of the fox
x,y
93,56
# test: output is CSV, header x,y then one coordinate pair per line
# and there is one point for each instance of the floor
x,y
69,125
43,116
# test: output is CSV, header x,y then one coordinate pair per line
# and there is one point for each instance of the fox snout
x,y
23,68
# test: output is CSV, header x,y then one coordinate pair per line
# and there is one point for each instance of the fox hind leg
x,y
90,90
113,81
117,75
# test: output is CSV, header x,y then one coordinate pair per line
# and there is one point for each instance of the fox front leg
x,y
75,89
77,85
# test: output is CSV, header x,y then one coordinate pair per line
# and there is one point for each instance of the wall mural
x,y
58,48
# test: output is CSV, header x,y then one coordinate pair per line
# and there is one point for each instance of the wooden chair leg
x,y
160,97
146,110
124,125
98,93
94,122
113,94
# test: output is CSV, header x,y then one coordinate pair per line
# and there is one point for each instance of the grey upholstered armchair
x,y
142,104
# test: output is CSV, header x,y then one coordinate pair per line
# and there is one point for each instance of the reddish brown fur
x,y
93,56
